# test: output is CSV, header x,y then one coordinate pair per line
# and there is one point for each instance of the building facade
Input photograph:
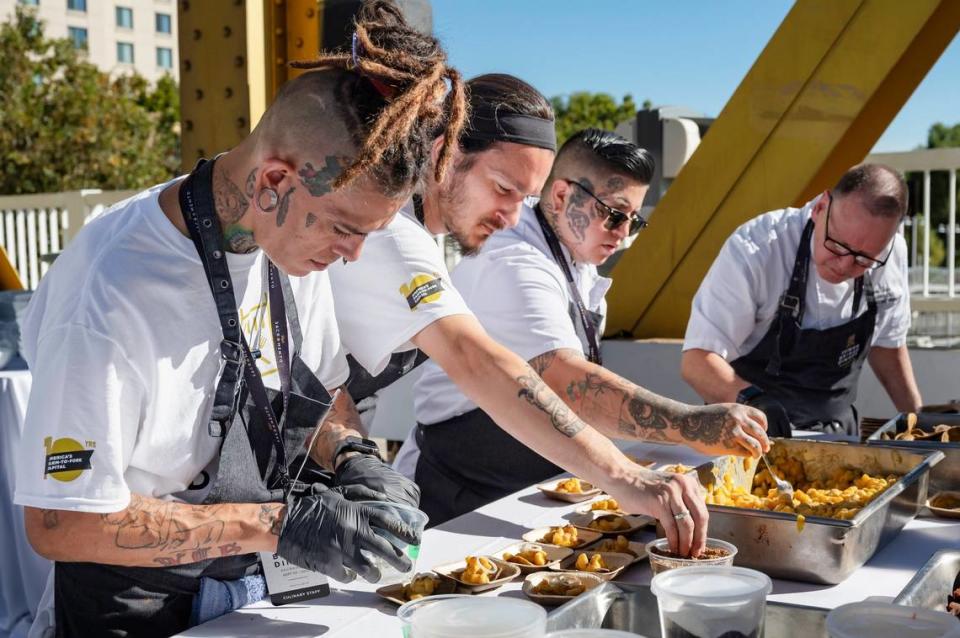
x,y
117,35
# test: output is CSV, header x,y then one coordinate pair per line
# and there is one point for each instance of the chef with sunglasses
x,y
535,289
799,298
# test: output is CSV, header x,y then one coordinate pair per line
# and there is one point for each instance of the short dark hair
x,y
501,93
882,189
614,153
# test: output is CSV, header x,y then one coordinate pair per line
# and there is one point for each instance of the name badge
x,y
287,583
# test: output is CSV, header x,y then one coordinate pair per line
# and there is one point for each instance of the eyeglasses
x,y
840,249
613,218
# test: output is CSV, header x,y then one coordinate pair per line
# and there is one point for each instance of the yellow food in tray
x,y
677,468
609,524
565,536
621,544
560,585
842,494
536,557
420,587
606,505
570,486
477,571
594,563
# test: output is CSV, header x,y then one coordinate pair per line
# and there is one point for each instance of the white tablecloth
x,y
354,610
23,573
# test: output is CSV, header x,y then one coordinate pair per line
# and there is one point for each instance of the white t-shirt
x,y
737,300
398,287
122,338
523,300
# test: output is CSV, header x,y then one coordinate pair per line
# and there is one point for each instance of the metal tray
x,y
634,608
931,585
946,475
828,550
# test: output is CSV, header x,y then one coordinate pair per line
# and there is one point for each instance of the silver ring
x,y
681,515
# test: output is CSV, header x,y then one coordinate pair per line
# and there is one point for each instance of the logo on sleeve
x,y
422,289
66,459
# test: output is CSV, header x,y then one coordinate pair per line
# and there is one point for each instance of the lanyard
x,y
593,342
207,235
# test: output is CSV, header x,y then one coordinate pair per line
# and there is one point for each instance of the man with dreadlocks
x,y
181,361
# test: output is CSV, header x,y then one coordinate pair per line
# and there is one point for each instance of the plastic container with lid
x,y
886,620
390,575
592,633
660,563
477,617
709,602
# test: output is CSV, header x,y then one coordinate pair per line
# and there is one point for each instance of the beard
x,y
452,201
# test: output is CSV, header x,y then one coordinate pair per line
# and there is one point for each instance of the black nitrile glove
x,y
323,531
371,472
778,422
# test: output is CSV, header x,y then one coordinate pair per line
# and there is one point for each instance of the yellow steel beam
x,y
9,277
826,86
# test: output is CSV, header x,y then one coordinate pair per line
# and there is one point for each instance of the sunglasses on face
x,y
613,218
840,249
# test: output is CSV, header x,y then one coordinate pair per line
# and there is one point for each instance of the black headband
x,y
487,124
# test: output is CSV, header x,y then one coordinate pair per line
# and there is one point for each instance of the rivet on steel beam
x,y
227,32
241,122
201,153
311,12
278,32
299,43
188,124
279,3
196,34
238,61
281,61
199,94
185,5
228,92
187,65
237,3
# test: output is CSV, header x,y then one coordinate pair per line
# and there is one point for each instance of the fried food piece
x,y
609,524
621,544
570,486
945,501
801,522
530,557
606,505
594,563
477,571
677,468
420,587
560,585
565,536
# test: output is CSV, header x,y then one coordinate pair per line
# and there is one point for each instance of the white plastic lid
x,y
592,633
886,620
480,618
712,585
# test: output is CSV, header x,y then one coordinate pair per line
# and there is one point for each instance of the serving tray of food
x,y
926,431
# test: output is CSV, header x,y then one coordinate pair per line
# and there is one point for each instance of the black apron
x,y
813,373
468,461
145,602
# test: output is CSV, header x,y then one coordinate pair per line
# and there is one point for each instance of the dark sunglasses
x,y
840,249
613,218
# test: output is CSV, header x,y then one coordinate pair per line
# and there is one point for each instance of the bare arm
x,y
619,408
710,376
519,401
154,533
341,421
892,366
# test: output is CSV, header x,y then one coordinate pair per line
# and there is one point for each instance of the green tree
x,y
66,125
583,110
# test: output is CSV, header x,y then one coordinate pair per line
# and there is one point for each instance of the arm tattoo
x,y
51,519
709,425
341,421
540,396
284,206
542,361
270,515
320,182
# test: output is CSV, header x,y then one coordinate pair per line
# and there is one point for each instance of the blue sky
x,y
686,52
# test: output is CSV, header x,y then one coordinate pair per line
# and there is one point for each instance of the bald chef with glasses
x,y
797,299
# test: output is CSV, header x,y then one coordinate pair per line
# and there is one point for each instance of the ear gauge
x,y
272,199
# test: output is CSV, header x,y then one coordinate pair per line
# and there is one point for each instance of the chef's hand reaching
x,y
369,471
726,428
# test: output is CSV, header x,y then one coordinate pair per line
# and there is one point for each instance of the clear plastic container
x,y
660,563
592,633
408,609
390,575
886,620
709,602
478,617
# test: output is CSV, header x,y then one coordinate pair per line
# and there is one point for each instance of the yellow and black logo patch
x,y
422,289
66,459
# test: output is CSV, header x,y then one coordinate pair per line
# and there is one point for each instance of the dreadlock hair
x,y
392,98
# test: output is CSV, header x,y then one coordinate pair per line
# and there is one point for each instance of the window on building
x,y
125,17
79,37
77,5
164,58
125,52
163,23
32,3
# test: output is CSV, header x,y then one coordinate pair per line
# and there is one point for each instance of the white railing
x,y
33,227
926,162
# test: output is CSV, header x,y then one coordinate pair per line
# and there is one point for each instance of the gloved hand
x,y
778,422
371,472
324,532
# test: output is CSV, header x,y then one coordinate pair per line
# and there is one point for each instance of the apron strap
x,y
792,303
